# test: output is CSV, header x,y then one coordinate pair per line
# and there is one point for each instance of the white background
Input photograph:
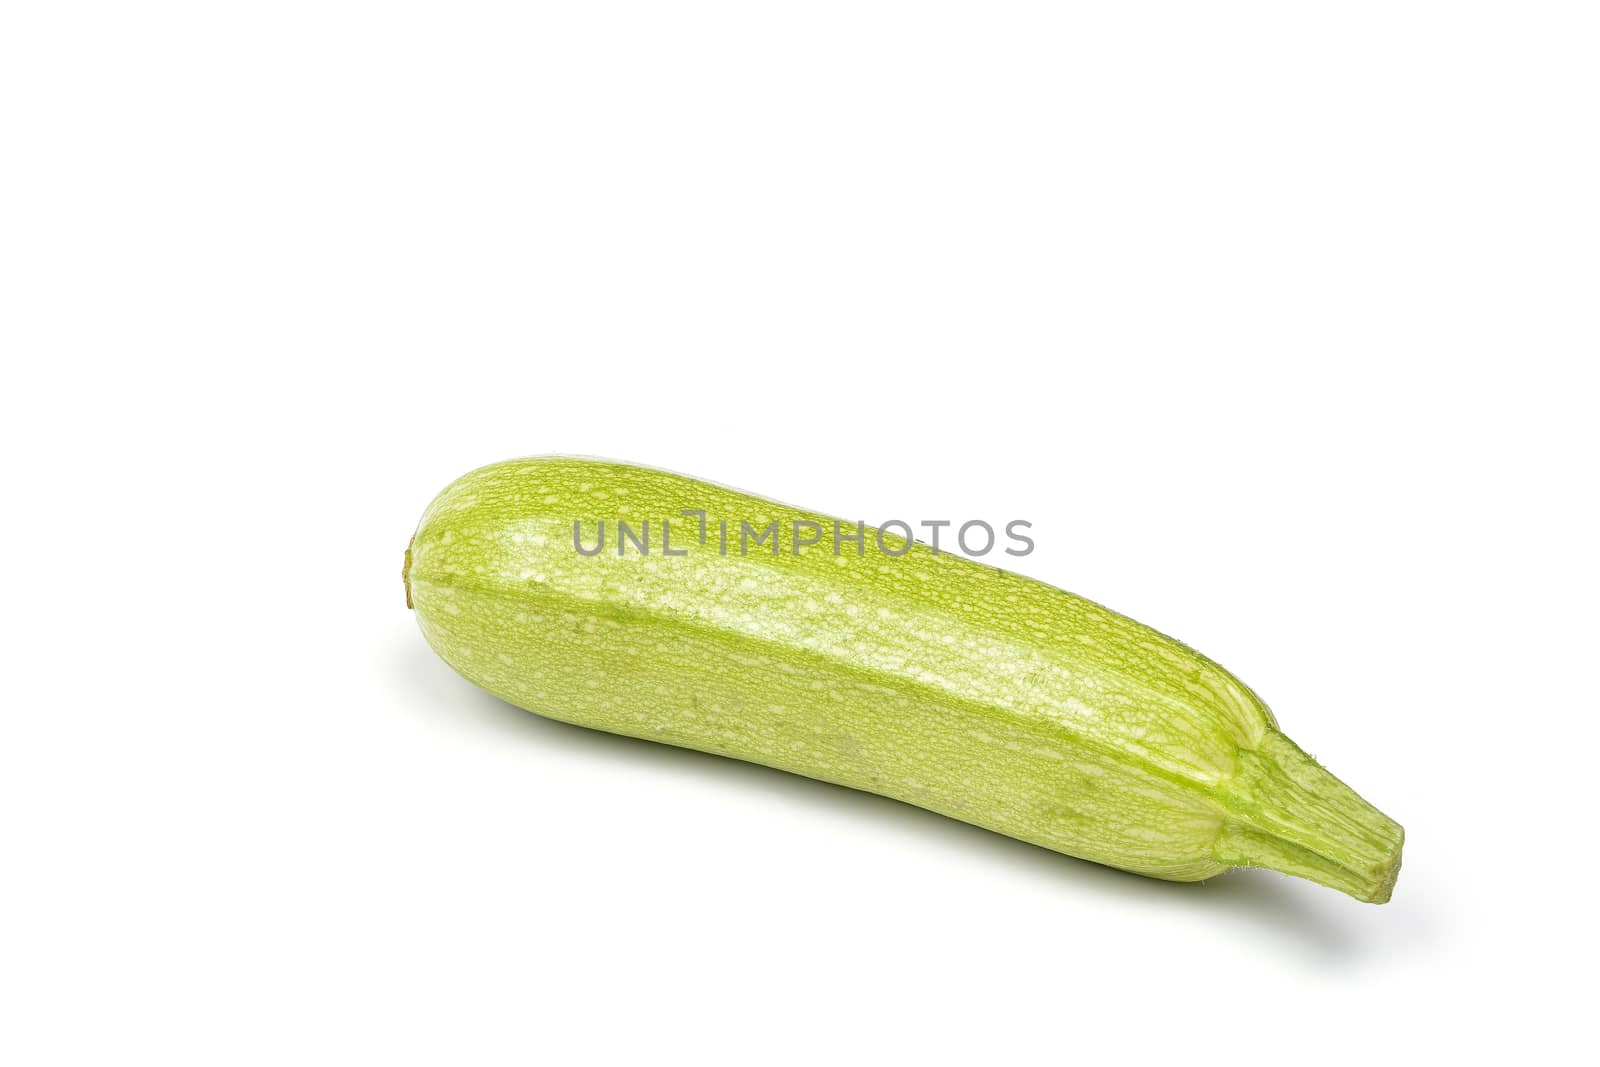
x,y
1278,321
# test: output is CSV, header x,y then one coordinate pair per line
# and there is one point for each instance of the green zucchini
x,y
874,662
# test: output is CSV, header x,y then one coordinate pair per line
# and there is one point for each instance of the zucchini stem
x,y
1285,812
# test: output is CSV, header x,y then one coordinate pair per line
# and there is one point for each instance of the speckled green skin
x,y
956,686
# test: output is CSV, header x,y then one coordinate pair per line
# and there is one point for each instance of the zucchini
x,y
874,662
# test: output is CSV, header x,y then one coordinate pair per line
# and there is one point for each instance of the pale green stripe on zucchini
x,y
969,690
